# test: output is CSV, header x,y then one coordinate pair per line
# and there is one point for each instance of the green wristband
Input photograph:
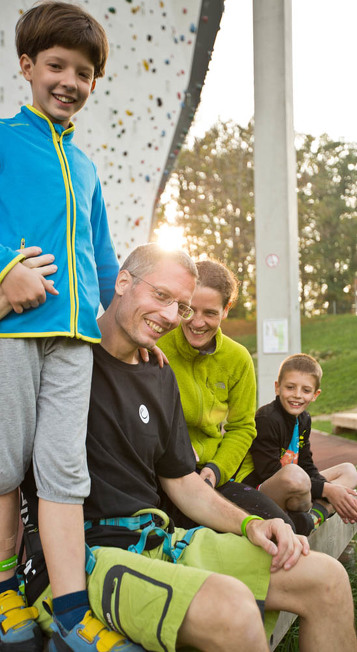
x,y
7,564
246,520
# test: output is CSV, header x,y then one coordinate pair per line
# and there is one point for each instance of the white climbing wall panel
x,y
129,122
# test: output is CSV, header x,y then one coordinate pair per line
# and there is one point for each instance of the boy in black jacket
x,y
280,461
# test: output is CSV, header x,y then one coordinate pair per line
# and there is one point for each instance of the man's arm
x,y
201,503
42,264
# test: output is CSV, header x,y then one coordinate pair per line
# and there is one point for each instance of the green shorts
x,y
146,596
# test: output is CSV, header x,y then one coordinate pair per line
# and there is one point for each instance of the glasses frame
x,y
182,308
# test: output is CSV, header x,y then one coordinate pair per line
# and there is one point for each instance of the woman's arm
x,y
239,429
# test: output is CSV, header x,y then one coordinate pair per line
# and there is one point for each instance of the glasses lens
x,y
184,311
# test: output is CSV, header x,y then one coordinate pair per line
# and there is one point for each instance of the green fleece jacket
x,y
216,388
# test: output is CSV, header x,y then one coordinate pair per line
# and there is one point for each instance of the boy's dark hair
x,y
59,23
216,275
304,363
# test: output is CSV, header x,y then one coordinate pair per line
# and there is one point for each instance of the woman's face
x,y
209,312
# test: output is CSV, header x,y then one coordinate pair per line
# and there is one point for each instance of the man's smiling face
x,y
140,316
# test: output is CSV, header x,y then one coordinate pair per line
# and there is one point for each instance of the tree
x,y
327,197
213,189
214,194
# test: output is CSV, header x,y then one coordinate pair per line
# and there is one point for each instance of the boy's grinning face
x,y
296,391
61,82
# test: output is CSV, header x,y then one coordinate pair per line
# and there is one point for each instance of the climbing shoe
x,y
89,635
19,631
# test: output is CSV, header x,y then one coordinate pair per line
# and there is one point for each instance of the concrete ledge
x,y
332,538
342,421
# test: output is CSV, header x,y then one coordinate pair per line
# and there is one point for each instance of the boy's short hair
x,y
144,258
53,23
304,363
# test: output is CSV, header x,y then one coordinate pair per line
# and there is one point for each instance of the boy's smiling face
x,y
61,82
296,391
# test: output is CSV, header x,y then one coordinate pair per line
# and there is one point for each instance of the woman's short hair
x,y
216,275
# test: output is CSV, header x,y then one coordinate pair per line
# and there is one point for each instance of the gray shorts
x,y
44,399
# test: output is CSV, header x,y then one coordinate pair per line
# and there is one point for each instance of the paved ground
x,y
329,450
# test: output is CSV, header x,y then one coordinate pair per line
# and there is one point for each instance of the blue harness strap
x,y
90,559
173,551
144,517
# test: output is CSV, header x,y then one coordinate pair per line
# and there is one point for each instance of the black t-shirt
x,y
136,430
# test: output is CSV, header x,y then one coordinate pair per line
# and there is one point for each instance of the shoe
x,y
89,635
18,630
303,521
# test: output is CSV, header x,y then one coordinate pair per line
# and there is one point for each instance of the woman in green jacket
x,y
217,385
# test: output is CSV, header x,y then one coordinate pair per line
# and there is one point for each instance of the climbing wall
x,y
136,120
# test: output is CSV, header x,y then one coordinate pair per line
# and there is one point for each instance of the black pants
x,y
249,499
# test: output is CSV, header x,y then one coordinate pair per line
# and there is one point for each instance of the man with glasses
x,y
161,586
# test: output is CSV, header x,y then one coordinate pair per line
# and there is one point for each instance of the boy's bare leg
x,y
9,519
290,488
342,475
223,616
62,535
317,588
345,474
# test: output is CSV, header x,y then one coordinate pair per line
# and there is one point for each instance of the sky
x,y
324,69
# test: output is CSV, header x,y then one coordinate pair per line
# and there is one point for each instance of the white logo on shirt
x,y
144,414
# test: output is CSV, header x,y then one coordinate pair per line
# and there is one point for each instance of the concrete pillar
x,y
278,312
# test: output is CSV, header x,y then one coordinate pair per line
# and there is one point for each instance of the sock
x,y
319,514
71,608
9,585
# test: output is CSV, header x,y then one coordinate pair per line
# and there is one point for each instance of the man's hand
x,y
343,500
278,539
160,355
197,500
43,264
207,474
25,286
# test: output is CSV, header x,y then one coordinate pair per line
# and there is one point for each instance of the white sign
x,y
275,336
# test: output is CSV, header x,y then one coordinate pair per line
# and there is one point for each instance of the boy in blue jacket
x,y
50,195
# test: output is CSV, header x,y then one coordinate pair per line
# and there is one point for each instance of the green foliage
x,y
327,185
331,339
213,187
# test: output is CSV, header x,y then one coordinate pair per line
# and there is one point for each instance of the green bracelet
x,y
246,520
7,564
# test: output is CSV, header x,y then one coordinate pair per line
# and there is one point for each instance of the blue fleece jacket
x,y
50,196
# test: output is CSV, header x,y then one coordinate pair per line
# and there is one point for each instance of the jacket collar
x,y
289,418
186,350
44,125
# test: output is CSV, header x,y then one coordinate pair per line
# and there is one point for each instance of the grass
x,y
323,426
331,339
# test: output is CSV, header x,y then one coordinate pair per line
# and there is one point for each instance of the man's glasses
x,y
185,312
